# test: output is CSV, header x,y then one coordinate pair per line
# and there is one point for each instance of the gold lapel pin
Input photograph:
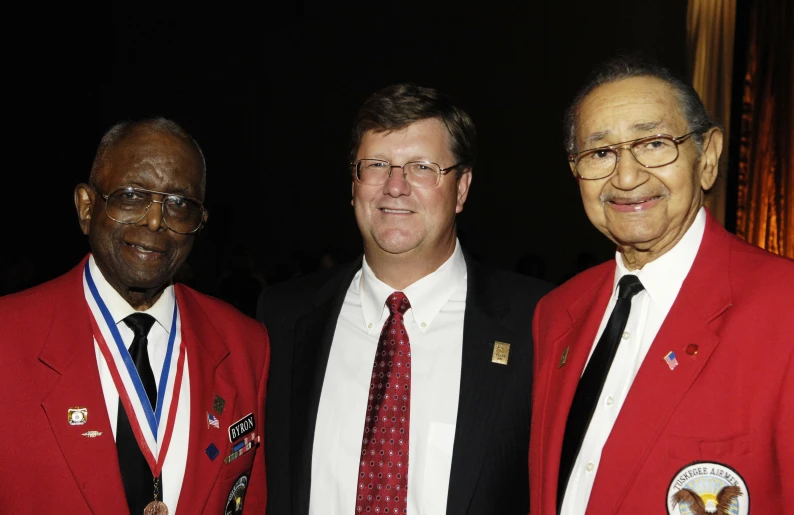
x,y
77,416
564,357
501,353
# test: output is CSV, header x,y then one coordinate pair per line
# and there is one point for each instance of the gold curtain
x,y
710,33
765,207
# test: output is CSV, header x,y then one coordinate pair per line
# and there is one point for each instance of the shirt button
x,y
369,325
424,324
610,401
626,335
590,467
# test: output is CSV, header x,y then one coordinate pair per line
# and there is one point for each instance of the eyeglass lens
x,y
419,174
129,206
651,153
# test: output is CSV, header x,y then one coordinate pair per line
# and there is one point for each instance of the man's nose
x,y
154,216
629,173
397,184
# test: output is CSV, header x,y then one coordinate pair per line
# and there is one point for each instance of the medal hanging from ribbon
x,y
153,437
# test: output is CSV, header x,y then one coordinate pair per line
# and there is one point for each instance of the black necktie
x,y
135,472
592,381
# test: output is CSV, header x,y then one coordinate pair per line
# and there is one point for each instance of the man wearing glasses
x,y
663,379
129,393
401,382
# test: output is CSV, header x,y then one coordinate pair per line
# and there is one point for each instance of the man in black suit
x,y
413,350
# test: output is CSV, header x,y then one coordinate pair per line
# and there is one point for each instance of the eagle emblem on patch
x,y
708,488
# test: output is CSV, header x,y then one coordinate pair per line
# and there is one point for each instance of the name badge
x,y
242,427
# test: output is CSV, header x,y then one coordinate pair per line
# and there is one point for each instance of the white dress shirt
x,y
435,327
662,279
163,311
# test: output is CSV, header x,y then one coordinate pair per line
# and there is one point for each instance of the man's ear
x,y
464,183
572,164
84,196
710,159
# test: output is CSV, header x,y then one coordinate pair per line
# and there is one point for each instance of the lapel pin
x,y
564,357
77,416
501,353
212,451
92,434
212,420
218,404
670,360
692,349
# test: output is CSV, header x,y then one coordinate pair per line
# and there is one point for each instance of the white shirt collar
x,y
663,277
162,311
427,295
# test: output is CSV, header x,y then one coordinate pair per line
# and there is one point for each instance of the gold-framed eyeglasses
x,y
650,151
182,215
419,174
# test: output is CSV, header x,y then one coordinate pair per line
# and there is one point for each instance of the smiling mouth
x,y
145,250
634,204
396,211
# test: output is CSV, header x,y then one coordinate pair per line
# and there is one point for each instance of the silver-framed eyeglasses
x,y
419,174
650,151
182,215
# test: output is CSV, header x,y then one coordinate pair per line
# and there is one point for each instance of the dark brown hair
x,y
398,106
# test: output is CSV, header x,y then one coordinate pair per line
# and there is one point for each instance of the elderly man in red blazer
x,y
664,380
123,392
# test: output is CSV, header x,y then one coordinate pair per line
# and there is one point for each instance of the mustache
x,y
628,197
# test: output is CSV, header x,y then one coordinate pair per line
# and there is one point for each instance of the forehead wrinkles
x,y
629,107
150,157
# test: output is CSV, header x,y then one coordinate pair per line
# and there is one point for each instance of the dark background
x,y
270,92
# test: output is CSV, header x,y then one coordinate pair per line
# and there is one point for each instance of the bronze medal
x,y
155,508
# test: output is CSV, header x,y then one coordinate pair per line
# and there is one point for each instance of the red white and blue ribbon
x,y
153,437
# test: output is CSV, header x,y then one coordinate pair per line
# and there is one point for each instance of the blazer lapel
x,y
205,353
69,351
314,334
703,298
556,385
481,385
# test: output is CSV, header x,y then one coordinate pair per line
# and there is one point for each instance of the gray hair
x,y
151,125
626,67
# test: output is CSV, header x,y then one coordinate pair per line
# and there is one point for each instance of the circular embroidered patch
x,y
705,488
234,503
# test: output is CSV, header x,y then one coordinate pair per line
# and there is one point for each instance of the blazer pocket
x,y
691,448
238,466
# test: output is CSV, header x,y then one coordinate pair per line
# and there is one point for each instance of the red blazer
x,y
732,402
49,365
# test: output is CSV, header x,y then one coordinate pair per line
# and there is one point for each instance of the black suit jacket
x,y
489,461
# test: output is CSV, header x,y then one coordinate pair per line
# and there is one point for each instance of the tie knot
x,y
140,323
629,286
398,303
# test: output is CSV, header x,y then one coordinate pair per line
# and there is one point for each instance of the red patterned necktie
x,y
383,470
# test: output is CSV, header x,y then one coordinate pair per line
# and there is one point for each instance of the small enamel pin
x,y
212,451
669,358
501,353
212,421
92,434
77,416
218,404
564,357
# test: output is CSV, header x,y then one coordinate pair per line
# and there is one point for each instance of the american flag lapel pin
x,y
669,358
212,421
